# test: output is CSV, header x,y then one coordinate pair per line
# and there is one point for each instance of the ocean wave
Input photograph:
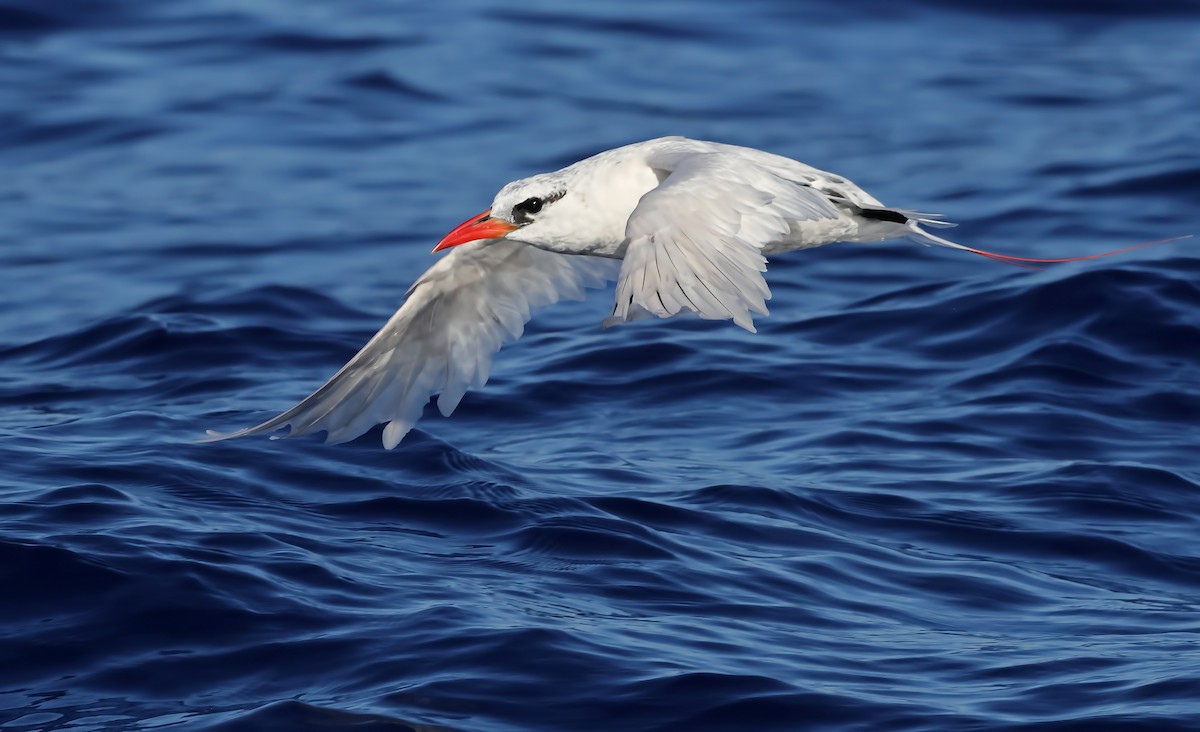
x,y
931,493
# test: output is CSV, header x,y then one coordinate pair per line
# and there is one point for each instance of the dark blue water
x,y
933,493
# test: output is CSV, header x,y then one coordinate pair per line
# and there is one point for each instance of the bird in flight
x,y
683,226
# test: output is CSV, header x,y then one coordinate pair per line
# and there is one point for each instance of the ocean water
x,y
932,493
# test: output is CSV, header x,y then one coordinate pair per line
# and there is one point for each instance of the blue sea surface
x,y
932,493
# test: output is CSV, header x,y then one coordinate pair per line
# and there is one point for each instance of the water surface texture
x,y
933,493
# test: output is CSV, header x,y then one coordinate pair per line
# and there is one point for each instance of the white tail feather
x,y
921,236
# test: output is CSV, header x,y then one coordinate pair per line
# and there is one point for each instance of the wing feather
x,y
694,243
441,340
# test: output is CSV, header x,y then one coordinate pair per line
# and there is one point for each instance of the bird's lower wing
x,y
441,340
694,243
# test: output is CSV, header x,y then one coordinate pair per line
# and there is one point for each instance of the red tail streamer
x,y
1010,259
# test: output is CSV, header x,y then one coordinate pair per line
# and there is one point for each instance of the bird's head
x,y
581,209
535,210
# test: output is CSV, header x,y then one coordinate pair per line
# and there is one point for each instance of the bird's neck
x,y
602,204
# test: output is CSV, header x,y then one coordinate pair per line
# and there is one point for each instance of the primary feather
x,y
440,341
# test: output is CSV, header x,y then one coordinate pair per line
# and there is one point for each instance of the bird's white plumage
x,y
692,221
441,340
695,241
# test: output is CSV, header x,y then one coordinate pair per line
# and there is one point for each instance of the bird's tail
x,y
919,235
916,218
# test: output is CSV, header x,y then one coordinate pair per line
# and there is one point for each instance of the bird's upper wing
x,y
441,340
694,242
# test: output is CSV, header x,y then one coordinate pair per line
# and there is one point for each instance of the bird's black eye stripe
x,y
523,212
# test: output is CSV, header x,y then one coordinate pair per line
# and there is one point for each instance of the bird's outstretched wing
x,y
441,340
694,243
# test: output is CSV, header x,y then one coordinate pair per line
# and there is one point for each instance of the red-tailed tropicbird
x,y
684,226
